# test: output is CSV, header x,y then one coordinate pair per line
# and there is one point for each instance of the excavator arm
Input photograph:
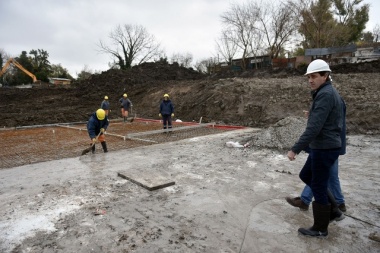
x,y
5,67
18,65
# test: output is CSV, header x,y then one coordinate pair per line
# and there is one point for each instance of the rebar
x,y
31,144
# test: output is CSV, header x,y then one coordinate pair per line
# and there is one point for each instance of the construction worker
x,y
166,112
323,136
96,127
125,105
105,105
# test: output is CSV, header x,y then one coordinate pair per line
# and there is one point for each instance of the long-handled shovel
x,y
89,149
133,118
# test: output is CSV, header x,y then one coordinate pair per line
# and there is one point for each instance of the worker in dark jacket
x,y
97,124
125,105
166,112
323,136
105,105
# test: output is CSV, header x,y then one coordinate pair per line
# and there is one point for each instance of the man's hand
x,y
172,114
291,155
102,130
93,140
159,115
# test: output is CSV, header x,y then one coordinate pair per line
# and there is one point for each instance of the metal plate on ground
x,y
150,181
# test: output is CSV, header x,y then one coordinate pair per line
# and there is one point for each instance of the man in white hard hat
x,y
322,137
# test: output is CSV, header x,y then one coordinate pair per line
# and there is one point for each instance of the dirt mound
x,y
146,74
257,99
364,67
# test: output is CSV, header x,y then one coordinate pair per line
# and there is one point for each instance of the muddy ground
x,y
252,98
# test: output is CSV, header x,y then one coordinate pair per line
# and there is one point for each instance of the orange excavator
x,y
18,65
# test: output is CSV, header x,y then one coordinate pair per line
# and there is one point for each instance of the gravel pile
x,y
282,135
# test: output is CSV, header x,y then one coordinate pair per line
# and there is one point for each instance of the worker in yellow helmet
x,y
125,105
105,105
96,127
166,112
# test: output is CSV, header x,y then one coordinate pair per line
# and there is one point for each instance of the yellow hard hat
x,y
125,95
166,95
105,97
100,114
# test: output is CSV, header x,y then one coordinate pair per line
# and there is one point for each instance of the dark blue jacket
x,y
166,107
342,134
94,125
325,121
125,103
105,105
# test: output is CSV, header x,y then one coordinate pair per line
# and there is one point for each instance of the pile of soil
x,y
253,98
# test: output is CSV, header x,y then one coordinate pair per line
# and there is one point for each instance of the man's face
x,y
316,80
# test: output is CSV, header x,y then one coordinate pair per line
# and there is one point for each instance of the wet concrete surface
x,y
224,200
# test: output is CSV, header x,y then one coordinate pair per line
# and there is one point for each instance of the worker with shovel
x,y
105,105
125,105
96,127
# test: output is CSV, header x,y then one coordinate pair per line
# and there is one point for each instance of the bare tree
x,y
206,65
278,24
258,27
257,44
183,60
226,47
242,25
85,73
376,32
201,65
131,44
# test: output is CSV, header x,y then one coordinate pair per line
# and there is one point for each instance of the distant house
x,y
366,54
347,54
59,81
333,55
256,62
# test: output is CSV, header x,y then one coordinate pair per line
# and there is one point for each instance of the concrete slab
x,y
224,200
147,179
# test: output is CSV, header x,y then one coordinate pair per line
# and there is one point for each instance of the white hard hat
x,y
317,66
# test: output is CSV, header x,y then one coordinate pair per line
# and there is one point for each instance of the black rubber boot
x,y
321,215
93,149
104,146
335,213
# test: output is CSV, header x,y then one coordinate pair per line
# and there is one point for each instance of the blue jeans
x,y
316,173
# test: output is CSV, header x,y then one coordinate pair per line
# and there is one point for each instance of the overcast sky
x,y
69,30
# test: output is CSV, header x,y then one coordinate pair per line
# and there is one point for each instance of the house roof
x,y
330,50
